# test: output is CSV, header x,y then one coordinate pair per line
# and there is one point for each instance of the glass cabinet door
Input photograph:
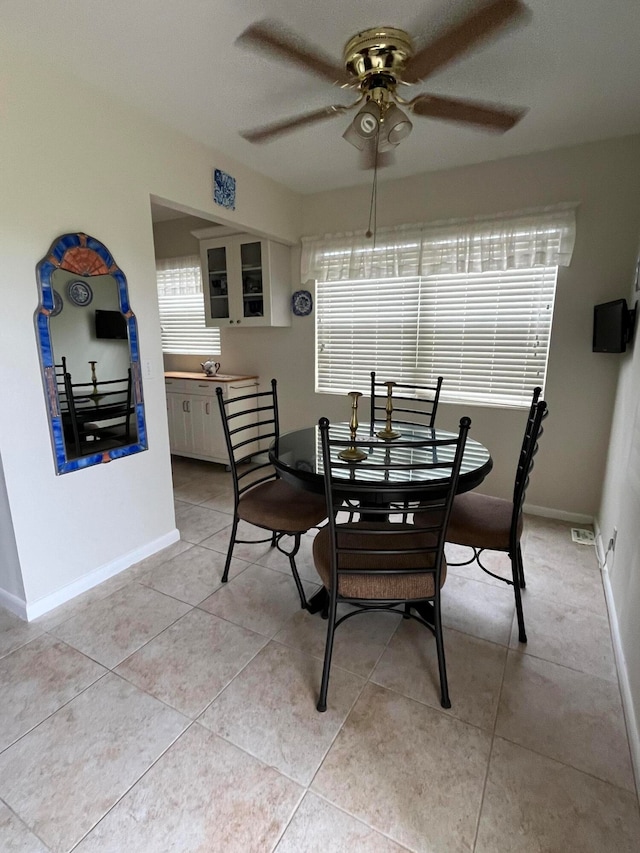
x,y
218,283
252,280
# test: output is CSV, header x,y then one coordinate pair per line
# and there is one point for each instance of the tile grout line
x,y
493,738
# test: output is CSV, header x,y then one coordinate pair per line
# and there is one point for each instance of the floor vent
x,y
582,536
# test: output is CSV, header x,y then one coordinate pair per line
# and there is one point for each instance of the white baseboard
x,y
43,605
561,515
13,603
623,676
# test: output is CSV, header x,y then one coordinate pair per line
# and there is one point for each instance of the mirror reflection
x,y
89,352
93,365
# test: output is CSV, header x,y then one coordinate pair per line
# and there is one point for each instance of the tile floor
x,y
163,711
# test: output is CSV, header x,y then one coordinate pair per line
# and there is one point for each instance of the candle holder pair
x,y
353,453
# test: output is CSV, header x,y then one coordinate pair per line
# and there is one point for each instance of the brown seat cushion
x,y
379,586
276,505
481,521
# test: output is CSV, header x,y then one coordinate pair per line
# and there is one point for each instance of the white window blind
x,y
486,334
481,317
181,304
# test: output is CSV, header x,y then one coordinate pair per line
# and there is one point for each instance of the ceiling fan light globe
x,y
354,138
396,125
365,125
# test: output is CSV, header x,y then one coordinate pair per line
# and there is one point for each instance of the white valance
x,y
521,240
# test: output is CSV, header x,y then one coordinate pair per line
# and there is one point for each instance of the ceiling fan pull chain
x,y
373,207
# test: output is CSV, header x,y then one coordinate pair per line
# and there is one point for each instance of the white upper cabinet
x,y
247,282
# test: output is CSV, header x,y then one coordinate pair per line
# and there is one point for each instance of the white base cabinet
x,y
195,425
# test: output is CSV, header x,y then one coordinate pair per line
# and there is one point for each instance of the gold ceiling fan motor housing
x,y
382,51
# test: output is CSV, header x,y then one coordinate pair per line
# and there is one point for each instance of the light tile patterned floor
x,y
163,711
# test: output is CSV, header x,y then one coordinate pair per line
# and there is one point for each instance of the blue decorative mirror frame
x,y
100,419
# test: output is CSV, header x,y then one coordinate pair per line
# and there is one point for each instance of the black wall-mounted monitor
x,y
110,325
613,324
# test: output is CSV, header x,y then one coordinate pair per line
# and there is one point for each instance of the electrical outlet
x,y
582,536
147,369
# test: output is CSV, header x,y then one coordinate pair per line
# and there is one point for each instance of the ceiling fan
x,y
378,62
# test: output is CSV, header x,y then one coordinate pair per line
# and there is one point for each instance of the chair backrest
x,y
399,468
412,404
89,403
248,421
532,434
60,372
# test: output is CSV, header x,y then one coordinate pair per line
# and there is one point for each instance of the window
x,y
181,304
470,302
486,334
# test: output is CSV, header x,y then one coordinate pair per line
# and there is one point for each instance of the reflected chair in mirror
x,y
100,413
261,498
60,373
382,565
485,523
412,404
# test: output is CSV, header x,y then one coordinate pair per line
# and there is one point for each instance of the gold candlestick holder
x,y
94,378
388,433
353,453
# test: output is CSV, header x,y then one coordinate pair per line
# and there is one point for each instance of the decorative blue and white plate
x,y
79,292
224,189
301,303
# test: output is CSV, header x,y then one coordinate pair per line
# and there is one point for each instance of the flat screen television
x,y
111,325
612,326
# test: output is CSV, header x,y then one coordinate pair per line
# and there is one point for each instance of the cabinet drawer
x,y
177,386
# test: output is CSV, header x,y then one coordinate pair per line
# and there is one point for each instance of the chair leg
x,y
274,539
515,573
232,542
294,569
520,567
328,651
445,701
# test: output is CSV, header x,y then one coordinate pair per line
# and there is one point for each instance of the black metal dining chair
x,y
260,496
486,523
380,565
412,403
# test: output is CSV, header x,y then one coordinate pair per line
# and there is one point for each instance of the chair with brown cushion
x,y
485,523
261,498
376,564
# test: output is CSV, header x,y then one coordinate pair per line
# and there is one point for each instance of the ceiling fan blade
x,y
272,37
487,116
460,38
271,131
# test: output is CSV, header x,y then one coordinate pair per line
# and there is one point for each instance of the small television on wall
x,y
110,325
613,324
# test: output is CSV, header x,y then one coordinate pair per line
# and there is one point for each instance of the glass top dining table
x,y
297,456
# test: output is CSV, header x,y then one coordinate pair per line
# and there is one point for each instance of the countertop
x,y
219,377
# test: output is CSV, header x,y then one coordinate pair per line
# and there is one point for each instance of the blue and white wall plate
x,y
224,189
79,292
301,303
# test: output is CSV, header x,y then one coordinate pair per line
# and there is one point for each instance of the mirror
x,y
89,352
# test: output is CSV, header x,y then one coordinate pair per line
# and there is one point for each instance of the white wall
x,y
10,574
76,161
620,509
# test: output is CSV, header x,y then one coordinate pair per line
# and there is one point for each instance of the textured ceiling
x,y
575,64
